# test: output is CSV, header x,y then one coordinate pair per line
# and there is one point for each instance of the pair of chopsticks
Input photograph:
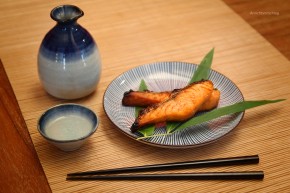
x,y
244,175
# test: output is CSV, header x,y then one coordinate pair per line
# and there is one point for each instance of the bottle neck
x,y
67,26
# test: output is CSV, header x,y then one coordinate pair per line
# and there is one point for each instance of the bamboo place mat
x,y
270,18
131,33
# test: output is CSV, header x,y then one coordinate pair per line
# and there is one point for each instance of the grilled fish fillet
x,y
147,98
180,106
144,98
212,102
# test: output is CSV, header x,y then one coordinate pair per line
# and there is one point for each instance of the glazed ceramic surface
x,y
68,126
69,64
166,76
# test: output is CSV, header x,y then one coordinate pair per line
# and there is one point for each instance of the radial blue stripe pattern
x,y
164,76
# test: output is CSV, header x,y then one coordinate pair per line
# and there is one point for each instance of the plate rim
x,y
166,145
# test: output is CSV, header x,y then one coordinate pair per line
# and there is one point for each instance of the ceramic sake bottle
x,y
69,64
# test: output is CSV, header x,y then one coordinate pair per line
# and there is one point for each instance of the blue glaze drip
x,y
67,37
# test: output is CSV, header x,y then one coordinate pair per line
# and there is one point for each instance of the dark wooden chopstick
x,y
250,175
177,165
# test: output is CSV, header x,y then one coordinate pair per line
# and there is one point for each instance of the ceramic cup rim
x,y
45,113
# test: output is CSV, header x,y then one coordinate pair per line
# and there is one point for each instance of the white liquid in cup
x,y
68,127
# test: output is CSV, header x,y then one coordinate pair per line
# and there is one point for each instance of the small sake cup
x,y
68,126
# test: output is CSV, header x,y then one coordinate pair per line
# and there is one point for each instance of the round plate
x,y
166,76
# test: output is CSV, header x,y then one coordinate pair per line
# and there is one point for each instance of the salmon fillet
x,y
144,98
147,98
180,106
212,102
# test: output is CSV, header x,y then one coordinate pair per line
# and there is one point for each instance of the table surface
x,y
130,34
269,18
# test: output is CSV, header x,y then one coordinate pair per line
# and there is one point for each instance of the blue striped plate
x,y
165,76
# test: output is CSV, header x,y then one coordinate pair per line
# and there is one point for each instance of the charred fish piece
x,y
144,98
178,107
147,98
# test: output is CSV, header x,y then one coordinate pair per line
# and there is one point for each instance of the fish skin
x,y
180,106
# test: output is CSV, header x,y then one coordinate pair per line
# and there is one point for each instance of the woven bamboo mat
x,y
131,33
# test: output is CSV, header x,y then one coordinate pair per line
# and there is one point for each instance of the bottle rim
x,y
66,13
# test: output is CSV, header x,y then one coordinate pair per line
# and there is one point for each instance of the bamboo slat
x,y
131,33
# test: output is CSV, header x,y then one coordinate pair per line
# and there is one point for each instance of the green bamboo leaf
x,y
142,87
203,68
202,72
148,131
235,108
171,126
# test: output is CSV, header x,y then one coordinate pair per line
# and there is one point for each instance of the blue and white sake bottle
x,y
69,64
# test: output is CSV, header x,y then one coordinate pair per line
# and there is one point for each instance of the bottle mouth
x,y
66,13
